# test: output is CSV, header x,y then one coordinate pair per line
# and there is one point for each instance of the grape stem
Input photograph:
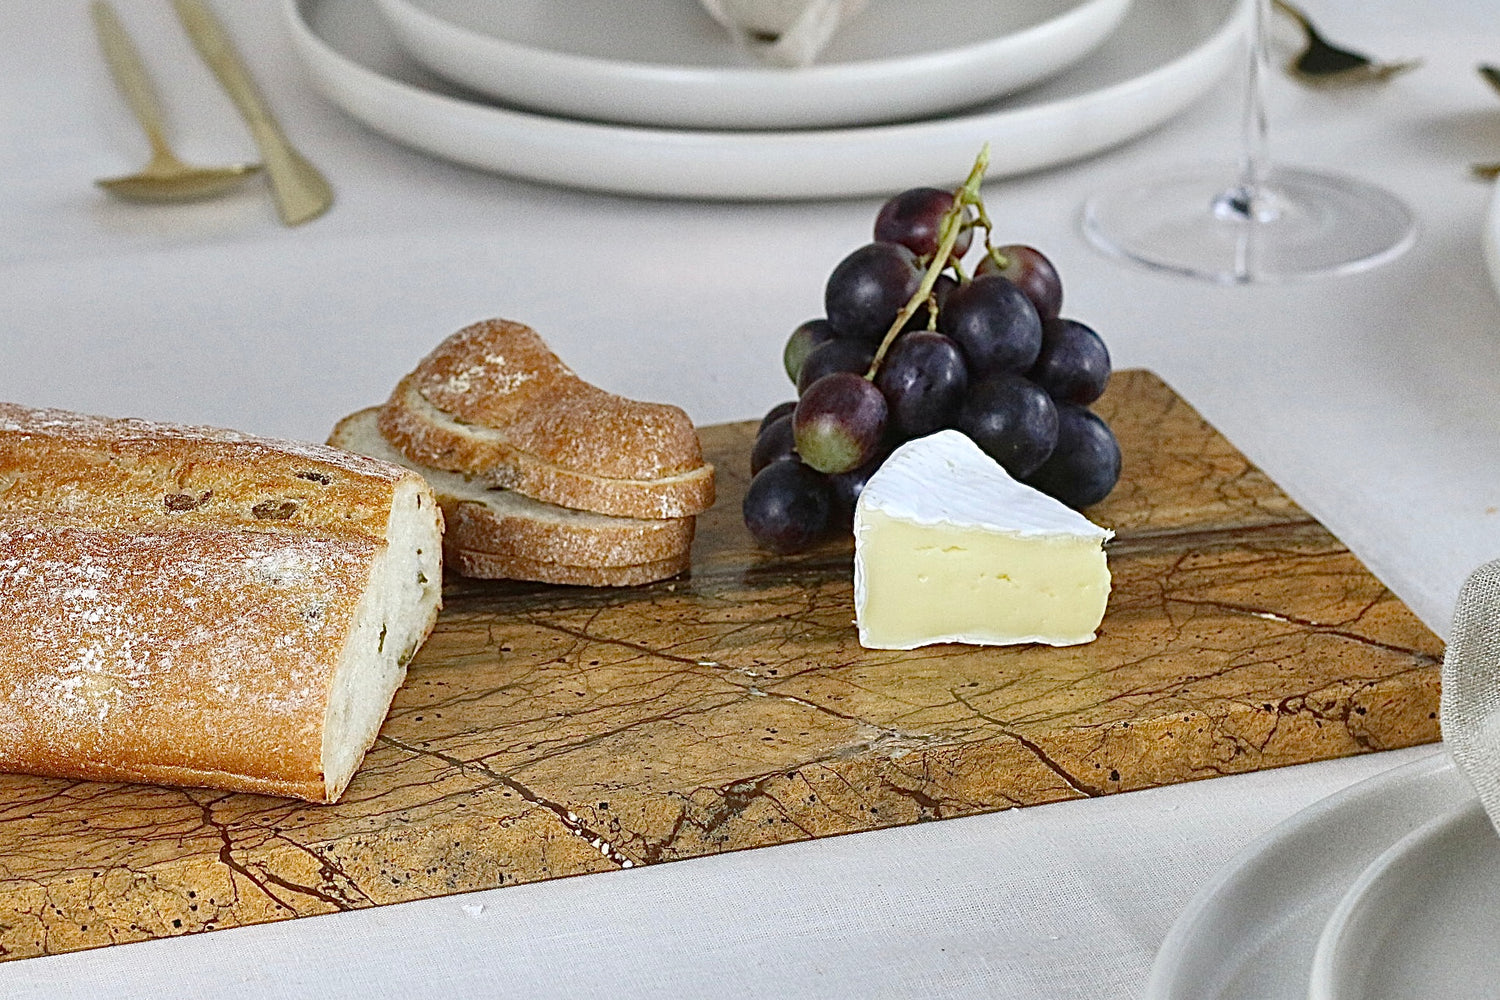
x,y
990,250
952,226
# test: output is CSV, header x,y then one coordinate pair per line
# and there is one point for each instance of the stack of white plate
x,y
1385,891
652,97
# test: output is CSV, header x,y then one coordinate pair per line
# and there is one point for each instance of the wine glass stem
x,y
1255,125
1248,198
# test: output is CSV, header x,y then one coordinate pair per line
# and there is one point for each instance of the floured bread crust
x,y
194,606
502,374
151,655
138,472
494,402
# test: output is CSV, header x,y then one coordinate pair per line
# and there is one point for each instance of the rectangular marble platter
x,y
552,731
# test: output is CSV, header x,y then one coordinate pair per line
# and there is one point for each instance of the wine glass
x,y
1263,223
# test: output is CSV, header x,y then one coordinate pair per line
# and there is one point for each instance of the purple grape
x,y
1030,271
773,444
1012,419
924,381
1085,465
994,324
839,422
787,506
803,341
915,220
779,410
1073,365
835,356
868,288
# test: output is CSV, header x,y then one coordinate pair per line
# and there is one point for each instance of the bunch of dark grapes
x,y
911,343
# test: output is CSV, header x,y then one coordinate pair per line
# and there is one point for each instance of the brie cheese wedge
x,y
949,548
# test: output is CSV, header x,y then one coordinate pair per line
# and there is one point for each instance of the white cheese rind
x,y
950,548
945,478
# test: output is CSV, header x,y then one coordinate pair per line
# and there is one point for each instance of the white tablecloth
x,y
1372,399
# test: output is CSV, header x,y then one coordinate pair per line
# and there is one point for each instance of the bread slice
x,y
504,523
494,566
492,401
188,605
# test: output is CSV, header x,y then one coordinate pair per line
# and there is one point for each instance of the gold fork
x,y
1322,62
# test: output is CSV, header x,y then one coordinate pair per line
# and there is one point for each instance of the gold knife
x,y
301,192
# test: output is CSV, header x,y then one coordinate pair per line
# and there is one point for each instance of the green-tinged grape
x,y
839,422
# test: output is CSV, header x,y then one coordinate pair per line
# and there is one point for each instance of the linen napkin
x,y
787,33
1471,686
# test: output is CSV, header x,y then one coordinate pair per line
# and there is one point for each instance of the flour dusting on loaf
x,y
197,606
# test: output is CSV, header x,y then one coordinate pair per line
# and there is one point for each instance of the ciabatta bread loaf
x,y
499,534
492,401
194,606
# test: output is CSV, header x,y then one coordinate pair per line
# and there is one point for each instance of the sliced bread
x,y
495,566
505,525
493,401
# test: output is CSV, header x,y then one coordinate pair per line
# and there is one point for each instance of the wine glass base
x,y
1295,224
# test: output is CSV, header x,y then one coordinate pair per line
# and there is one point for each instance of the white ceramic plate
x,y
1250,934
1422,921
1165,55
667,63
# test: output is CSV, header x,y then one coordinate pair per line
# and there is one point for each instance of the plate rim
x,y
1353,907
761,165
690,96
1180,942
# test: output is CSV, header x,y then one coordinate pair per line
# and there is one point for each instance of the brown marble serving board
x,y
548,731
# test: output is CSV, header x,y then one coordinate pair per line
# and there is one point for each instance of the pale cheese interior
x,y
917,584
